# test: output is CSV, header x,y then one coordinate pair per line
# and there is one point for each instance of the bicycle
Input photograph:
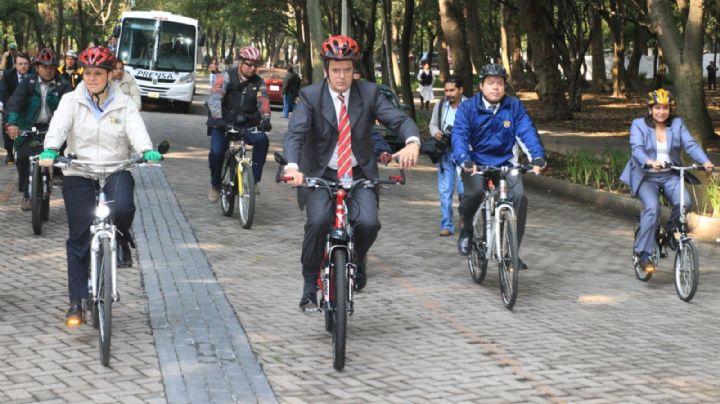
x,y
337,279
687,261
238,181
39,185
494,233
102,274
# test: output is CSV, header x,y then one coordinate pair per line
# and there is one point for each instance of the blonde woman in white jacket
x,y
99,123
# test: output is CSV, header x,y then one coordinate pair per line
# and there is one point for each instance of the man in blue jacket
x,y
486,131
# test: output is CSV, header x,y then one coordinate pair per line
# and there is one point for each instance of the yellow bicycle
x,y
238,181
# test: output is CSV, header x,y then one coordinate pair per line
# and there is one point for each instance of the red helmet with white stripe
x,y
340,47
98,56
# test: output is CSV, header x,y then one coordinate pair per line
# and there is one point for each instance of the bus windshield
x,y
157,45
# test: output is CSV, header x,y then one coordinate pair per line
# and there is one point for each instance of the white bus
x,y
161,50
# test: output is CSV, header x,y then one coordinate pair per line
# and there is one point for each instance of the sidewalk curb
x,y
703,228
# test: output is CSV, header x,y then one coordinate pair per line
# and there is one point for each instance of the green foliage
x,y
711,201
599,171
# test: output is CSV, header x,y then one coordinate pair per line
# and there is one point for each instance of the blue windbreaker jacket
x,y
488,139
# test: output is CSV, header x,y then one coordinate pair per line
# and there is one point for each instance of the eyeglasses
x,y
250,65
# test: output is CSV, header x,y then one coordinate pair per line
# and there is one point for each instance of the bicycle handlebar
x,y
670,165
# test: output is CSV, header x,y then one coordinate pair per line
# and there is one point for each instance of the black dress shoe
x,y
308,301
124,255
361,275
522,264
464,242
74,315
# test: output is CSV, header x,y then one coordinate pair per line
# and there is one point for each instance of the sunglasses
x,y
250,65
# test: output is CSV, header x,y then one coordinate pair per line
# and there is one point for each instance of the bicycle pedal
x,y
116,299
311,309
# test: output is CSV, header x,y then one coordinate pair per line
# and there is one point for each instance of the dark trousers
x,y
80,200
7,143
362,214
711,82
219,145
32,145
475,192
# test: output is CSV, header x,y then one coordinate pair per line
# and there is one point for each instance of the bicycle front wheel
x,y
227,186
510,261
36,199
105,300
477,261
246,194
687,270
340,293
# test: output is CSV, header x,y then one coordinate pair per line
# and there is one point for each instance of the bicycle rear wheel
x,y
36,199
105,300
246,194
340,286
227,186
641,273
687,270
510,261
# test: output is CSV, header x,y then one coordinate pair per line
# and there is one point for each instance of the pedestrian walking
x,y
426,79
711,73
290,87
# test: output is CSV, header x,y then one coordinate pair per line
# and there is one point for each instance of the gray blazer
x,y
643,146
313,128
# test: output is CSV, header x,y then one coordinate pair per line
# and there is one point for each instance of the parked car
x,y
392,138
273,81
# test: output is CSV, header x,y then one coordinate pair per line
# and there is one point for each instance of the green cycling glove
x,y
49,154
152,155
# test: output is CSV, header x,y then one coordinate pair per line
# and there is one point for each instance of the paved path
x,y
583,329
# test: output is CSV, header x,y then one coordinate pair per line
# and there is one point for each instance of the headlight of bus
x,y
188,78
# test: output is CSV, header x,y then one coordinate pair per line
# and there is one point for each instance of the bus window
x,y
176,47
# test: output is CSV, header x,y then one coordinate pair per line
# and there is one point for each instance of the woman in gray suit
x,y
654,140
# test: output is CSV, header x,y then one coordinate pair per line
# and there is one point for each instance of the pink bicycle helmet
x,y
250,53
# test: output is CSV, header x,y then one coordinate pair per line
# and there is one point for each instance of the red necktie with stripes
x,y
344,149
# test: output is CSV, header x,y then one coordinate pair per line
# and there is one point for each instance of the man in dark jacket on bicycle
x,y
239,98
317,145
486,131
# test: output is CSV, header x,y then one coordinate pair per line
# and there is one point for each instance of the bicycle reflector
x,y
73,321
102,211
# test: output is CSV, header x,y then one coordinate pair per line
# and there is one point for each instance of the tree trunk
x,y
511,46
545,61
443,64
474,34
316,38
60,26
618,33
388,45
403,56
231,50
599,76
454,31
83,26
640,46
367,60
686,66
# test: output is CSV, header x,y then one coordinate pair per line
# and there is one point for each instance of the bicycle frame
x,y
493,209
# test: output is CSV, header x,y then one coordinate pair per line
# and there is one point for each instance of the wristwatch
x,y
413,141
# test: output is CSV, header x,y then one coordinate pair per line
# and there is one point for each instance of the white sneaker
x,y
213,195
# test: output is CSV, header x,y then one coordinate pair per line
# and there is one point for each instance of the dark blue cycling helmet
x,y
492,70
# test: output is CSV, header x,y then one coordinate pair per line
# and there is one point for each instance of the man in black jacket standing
x,y
290,87
8,83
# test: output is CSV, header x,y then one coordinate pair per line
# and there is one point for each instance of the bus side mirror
x,y
202,38
116,31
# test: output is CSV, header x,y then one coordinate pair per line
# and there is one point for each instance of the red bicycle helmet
x,y
98,56
250,53
46,57
340,47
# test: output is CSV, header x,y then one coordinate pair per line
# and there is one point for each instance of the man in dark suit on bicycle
x,y
320,142
486,132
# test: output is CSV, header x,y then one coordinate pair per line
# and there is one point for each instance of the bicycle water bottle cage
x,y
339,236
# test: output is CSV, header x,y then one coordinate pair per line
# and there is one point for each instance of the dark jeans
x,y
79,196
219,145
362,215
475,192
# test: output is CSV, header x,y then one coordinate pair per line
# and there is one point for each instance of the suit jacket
x,y
643,146
313,128
8,84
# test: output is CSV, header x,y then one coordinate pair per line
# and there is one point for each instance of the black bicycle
x,y
238,181
40,184
687,261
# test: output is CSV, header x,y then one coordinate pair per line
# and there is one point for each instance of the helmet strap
x,y
96,96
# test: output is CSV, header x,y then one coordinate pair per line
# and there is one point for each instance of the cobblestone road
x,y
583,329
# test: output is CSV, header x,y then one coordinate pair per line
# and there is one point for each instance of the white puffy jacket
x,y
119,130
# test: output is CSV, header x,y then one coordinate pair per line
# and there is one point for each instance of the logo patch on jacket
x,y
114,120
506,123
